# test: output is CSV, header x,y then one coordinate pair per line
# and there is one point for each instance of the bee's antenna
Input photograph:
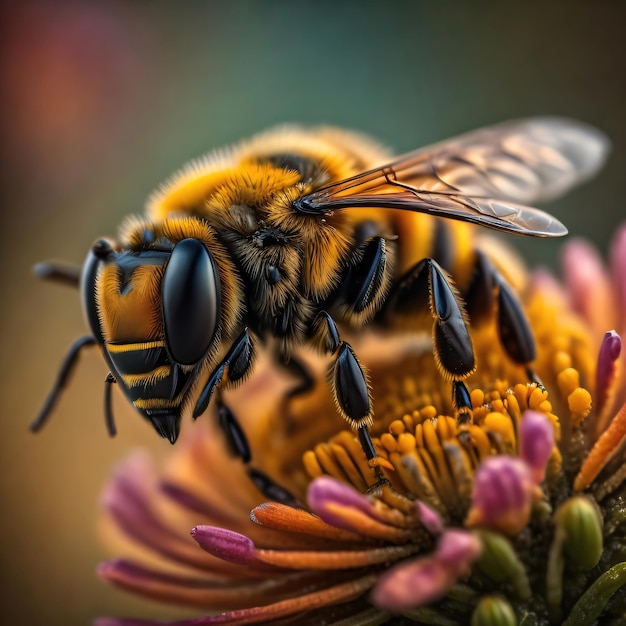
x,y
65,274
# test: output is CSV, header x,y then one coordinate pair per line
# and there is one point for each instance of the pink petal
x,y
326,493
225,544
536,442
501,498
129,499
606,370
427,579
326,489
544,282
430,518
457,548
618,268
588,284
412,584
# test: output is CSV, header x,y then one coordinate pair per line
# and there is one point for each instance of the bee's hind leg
x,y
489,289
235,365
359,295
427,287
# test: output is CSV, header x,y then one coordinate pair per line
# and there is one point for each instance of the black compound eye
x,y
191,301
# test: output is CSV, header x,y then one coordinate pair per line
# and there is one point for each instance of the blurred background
x,y
102,100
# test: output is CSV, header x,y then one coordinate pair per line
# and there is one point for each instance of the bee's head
x,y
156,312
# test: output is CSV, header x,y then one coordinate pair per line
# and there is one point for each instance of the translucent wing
x,y
486,176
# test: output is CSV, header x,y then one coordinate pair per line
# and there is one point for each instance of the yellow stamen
x,y
502,425
568,380
562,361
579,403
477,396
380,461
537,399
480,441
311,464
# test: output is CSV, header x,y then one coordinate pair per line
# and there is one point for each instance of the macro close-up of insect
x,y
298,237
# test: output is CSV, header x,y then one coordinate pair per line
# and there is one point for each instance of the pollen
x,y
502,426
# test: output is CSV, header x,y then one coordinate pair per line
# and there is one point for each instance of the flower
x,y
517,517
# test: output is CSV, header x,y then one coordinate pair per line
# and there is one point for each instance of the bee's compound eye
x,y
191,301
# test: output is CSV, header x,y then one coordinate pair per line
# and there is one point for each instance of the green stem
x,y
591,604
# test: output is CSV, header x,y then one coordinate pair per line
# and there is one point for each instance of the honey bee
x,y
299,235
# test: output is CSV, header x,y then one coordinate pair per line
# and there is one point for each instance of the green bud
x,y
500,562
582,528
493,611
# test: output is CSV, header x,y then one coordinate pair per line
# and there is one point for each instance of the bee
x,y
298,236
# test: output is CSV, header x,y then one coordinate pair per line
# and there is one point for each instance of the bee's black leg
x,y
239,446
109,420
365,281
236,365
349,385
235,435
206,394
489,288
271,489
60,273
462,401
351,388
298,369
443,245
427,287
66,370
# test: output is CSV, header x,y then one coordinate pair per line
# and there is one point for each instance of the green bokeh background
x,y
102,100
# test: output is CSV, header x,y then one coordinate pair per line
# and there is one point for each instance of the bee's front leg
x,y
239,446
233,367
236,365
